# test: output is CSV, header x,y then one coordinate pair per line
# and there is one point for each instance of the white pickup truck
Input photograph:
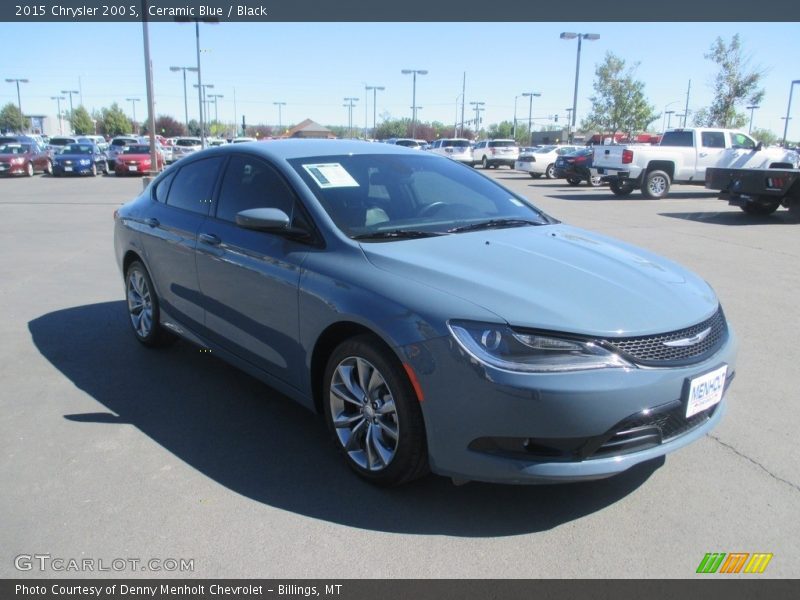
x,y
682,157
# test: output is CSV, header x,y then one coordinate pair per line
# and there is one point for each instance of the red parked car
x,y
22,158
135,160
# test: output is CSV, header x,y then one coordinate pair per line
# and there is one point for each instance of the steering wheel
x,y
431,209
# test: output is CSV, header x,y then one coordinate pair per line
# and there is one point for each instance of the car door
x,y
742,153
182,201
710,151
249,279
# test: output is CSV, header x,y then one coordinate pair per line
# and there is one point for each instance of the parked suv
x,y
458,149
493,153
184,146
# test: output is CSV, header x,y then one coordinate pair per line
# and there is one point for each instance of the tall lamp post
x,y
216,97
58,100
668,114
664,123
530,96
280,116
203,92
71,112
133,102
375,89
19,101
185,99
752,109
350,104
788,110
414,73
478,110
514,130
568,35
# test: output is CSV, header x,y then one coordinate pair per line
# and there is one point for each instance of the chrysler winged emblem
x,y
689,341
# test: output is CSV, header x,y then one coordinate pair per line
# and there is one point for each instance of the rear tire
x,y
656,185
485,163
49,167
574,180
143,307
595,181
761,206
550,172
373,413
535,175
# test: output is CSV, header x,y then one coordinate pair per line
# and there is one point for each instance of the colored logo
x,y
735,562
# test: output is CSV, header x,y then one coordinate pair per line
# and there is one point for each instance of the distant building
x,y
309,129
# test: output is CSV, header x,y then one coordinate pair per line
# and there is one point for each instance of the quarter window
x,y
162,188
194,184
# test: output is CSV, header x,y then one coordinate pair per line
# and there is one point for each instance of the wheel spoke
x,y
343,394
385,454
345,373
387,408
352,441
369,446
365,371
390,431
344,420
375,382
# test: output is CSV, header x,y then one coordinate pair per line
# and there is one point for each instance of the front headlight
x,y
85,161
18,161
501,347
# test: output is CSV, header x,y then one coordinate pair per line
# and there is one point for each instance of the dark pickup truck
x,y
757,191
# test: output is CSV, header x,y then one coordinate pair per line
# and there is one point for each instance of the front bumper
x,y
74,169
7,169
475,414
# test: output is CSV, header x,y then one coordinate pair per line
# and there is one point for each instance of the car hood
x,y
134,156
73,156
10,156
554,277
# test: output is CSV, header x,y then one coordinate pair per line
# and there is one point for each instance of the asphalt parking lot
x,y
109,450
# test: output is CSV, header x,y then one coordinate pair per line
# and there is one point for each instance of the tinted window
x,y
194,185
162,188
502,144
678,138
251,183
187,142
713,139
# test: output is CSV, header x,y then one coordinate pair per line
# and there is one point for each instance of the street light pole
x,y
668,114
19,101
514,131
752,109
350,104
133,102
788,110
71,111
216,97
530,96
568,35
374,89
280,117
185,98
478,109
414,73
58,100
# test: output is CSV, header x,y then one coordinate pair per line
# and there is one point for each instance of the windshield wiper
x,y
398,234
494,224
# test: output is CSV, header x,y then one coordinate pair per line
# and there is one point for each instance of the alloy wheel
x,y
364,414
140,303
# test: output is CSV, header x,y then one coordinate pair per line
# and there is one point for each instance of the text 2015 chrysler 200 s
x,y
438,320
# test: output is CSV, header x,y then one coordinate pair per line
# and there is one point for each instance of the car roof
x,y
296,148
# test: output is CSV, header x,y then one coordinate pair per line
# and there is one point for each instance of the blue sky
x,y
313,66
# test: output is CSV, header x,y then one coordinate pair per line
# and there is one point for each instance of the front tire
x,y
373,413
143,307
94,169
29,170
595,180
485,163
656,185
49,167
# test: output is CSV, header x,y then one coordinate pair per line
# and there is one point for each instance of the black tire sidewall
x,y
158,335
410,460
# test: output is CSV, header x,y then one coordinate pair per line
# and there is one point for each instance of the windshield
x,y
122,141
370,194
187,142
455,143
14,148
60,141
138,149
77,149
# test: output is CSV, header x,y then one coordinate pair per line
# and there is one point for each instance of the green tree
x,y
81,121
115,122
393,128
735,84
619,103
169,127
505,129
12,120
194,128
767,137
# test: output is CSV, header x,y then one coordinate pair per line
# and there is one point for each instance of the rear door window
x,y
193,186
713,139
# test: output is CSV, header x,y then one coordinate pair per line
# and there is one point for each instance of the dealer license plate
x,y
706,391
133,168
68,168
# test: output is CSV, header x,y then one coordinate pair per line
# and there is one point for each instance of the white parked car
x,y
242,140
493,153
541,161
459,149
184,146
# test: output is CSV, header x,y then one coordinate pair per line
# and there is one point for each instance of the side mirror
x,y
759,146
263,219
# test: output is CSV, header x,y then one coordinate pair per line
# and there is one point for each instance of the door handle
x,y
152,222
210,239
703,154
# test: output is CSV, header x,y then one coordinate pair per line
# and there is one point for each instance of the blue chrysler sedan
x,y
438,321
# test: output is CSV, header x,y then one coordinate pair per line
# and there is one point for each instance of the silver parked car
x,y
185,146
437,320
